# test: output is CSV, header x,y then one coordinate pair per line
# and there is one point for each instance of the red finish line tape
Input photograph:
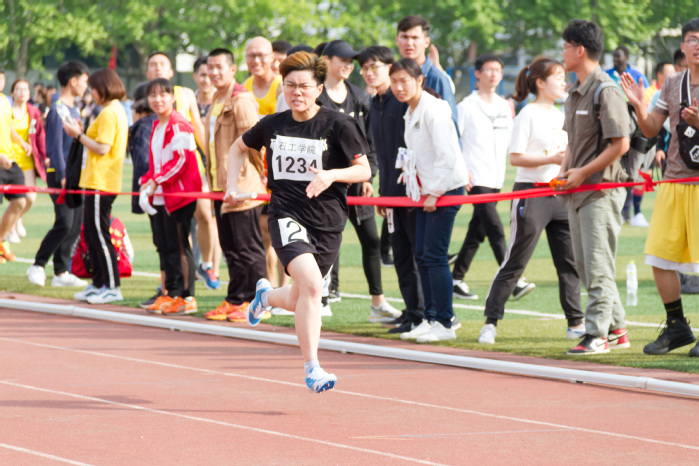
x,y
544,191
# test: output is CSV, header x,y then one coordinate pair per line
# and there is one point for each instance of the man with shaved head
x,y
263,82
265,85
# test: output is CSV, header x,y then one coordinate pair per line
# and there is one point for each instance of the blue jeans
x,y
432,236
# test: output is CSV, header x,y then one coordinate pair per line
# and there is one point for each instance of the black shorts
x,y
13,176
290,238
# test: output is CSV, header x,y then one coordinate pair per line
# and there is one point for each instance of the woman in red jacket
x,y
26,119
173,169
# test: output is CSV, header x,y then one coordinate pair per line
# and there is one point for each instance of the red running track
x,y
86,392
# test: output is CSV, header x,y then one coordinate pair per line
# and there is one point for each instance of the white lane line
x,y
214,421
523,312
363,395
42,455
471,307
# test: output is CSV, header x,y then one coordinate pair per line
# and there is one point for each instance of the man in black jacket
x,y
340,95
387,127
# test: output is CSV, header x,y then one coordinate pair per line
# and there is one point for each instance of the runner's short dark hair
x,y
304,61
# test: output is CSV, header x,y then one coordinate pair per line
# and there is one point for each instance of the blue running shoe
x,y
255,309
318,380
208,276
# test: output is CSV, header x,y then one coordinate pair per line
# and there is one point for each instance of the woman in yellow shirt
x,y
105,147
26,119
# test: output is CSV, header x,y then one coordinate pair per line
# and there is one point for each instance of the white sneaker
x,y
325,310
12,237
384,312
487,335
19,228
638,220
278,311
438,333
105,295
420,330
37,275
84,294
67,279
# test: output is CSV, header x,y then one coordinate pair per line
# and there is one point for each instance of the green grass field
x,y
517,334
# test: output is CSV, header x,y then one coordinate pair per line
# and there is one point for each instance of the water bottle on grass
x,y
631,285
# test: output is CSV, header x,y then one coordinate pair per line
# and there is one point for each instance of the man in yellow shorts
x,y
672,245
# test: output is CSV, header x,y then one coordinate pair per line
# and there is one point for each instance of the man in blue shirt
x,y
621,66
72,76
413,40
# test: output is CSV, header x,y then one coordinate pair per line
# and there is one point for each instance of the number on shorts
x,y
291,231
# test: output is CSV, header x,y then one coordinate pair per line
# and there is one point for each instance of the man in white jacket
x,y
485,125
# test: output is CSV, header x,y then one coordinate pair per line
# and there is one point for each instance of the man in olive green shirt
x,y
595,217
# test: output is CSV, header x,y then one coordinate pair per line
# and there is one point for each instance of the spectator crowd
x,y
300,130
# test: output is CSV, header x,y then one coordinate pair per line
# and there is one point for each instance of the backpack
x,y
80,265
641,154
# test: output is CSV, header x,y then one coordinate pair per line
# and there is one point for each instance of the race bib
x,y
292,158
291,231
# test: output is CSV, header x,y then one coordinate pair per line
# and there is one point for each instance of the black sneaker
x,y
676,333
334,296
694,352
387,260
462,291
152,299
395,322
406,326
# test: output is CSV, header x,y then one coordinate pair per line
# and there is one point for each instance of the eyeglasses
x,y
692,42
257,56
303,87
373,68
568,46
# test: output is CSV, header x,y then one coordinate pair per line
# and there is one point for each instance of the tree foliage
x,y
33,29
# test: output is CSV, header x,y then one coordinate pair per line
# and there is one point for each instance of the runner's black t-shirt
x,y
329,140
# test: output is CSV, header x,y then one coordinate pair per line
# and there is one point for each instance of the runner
x,y
312,153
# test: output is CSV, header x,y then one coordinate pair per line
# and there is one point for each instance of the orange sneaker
x,y
157,306
239,315
222,311
180,306
5,252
